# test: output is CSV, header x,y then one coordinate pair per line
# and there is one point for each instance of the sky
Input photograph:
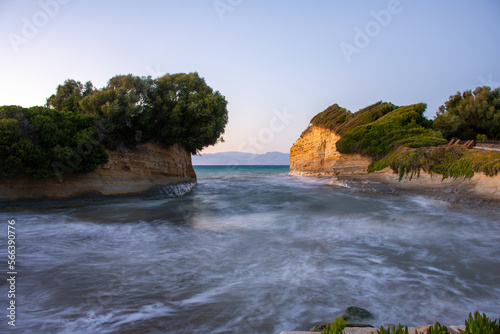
x,y
277,62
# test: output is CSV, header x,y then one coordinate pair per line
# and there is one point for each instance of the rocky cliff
x,y
479,190
148,168
315,154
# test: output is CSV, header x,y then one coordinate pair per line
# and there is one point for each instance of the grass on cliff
x,y
450,162
340,120
379,129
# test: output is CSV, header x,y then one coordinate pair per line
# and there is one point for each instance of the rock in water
x,y
356,314
319,328
353,315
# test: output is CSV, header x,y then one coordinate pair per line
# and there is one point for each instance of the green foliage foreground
x,y
477,324
80,122
334,327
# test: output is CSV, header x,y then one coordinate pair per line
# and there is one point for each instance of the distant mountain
x,y
241,158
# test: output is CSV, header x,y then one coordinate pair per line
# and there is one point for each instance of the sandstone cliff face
x,y
315,154
147,168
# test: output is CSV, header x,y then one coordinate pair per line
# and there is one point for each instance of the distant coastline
x,y
241,158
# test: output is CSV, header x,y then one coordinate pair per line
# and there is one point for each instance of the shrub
x,y
33,140
332,117
340,119
404,126
480,324
436,329
335,327
467,114
481,137
394,330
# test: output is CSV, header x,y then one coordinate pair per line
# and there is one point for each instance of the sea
x,y
251,249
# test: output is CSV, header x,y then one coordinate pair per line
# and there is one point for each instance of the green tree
x,y
33,140
123,102
69,95
467,114
185,110
173,109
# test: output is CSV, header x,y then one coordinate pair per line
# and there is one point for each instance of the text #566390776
x,y
12,273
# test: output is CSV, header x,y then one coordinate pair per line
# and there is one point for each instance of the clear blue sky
x,y
292,58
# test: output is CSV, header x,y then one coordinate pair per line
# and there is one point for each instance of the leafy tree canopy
x,y
69,95
176,108
36,142
468,114
173,109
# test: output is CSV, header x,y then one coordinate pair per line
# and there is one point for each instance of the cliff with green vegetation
x,y
82,130
379,129
402,139
372,133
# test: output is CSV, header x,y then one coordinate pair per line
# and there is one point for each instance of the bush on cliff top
x,y
332,118
340,120
380,128
404,126
469,114
34,140
173,109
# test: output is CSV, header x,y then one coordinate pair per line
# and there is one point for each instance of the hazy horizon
x,y
277,63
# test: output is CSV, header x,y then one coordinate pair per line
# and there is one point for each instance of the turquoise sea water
x,y
251,250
